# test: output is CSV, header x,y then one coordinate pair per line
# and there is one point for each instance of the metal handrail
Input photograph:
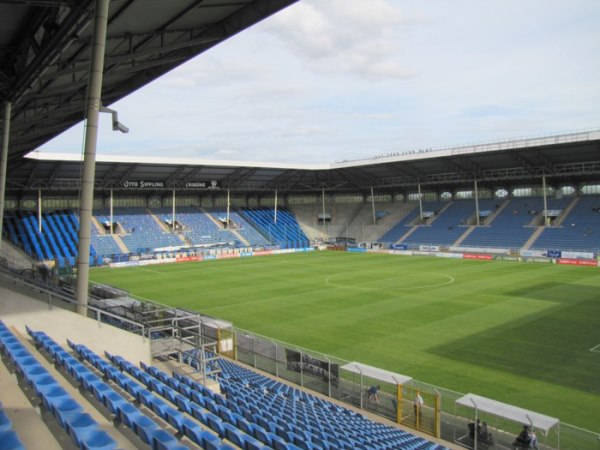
x,y
53,294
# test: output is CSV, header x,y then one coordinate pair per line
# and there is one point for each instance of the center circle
x,y
395,281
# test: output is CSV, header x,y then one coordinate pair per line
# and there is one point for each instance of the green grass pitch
x,y
519,333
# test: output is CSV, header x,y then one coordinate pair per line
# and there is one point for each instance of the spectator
x,y
373,393
523,439
532,440
418,406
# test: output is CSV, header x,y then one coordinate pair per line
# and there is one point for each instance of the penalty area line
x,y
595,349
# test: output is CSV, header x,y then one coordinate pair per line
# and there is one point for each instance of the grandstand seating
x,y
579,230
82,429
286,232
449,225
510,228
304,419
244,228
57,241
404,225
513,225
142,231
254,412
198,228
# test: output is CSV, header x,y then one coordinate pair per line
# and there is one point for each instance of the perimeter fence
x,y
325,374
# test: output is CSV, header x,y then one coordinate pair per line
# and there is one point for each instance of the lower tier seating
x,y
173,411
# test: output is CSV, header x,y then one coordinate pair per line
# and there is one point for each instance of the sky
x,y
330,80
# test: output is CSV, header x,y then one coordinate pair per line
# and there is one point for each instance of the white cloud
x,y
345,35
327,80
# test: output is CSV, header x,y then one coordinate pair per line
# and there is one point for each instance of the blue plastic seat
x,y
213,444
5,423
192,430
183,403
198,398
170,394
175,418
65,409
199,414
163,440
216,424
79,425
99,440
277,442
144,396
252,444
9,440
52,394
145,428
233,435
159,406
113,402
127,414
262,435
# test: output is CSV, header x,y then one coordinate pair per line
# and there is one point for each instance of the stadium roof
x,y
564,159
45,53
44,64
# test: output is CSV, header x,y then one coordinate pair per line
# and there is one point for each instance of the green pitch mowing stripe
x,y
514,332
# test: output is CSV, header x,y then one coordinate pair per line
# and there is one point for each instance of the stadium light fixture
x,y
116,125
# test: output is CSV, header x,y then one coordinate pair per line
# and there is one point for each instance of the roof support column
x,y
545,200
476,201
420,202
39,210
372,207
86,199
173,213
228,206
112,219
323,201
3,162
275,212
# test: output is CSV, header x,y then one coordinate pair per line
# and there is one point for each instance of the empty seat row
x,y
84,431
192,398
121,408
310,421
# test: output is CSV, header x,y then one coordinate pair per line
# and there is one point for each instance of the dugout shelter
x,y
504,423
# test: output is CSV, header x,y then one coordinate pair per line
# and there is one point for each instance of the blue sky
x,y
329,80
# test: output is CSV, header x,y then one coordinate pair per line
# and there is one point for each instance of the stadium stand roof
x,y
45,48
564,159
514,413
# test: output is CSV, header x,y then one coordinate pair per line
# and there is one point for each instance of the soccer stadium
x,y
434,299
